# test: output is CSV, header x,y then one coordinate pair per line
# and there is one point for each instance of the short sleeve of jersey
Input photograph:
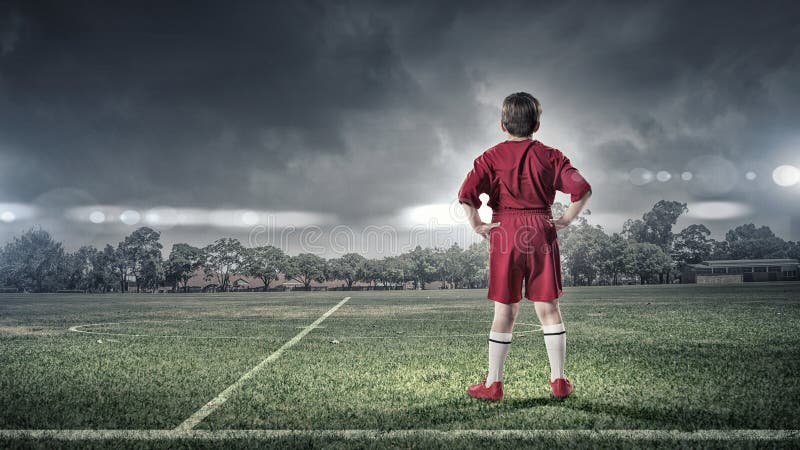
x,y
568,179
476,183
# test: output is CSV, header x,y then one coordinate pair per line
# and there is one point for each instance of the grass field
x,y
664,366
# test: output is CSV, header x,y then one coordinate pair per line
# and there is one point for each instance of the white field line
x,y
451,435
78,329
223,396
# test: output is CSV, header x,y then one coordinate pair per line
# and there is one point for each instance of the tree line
x,y
646,251
35,262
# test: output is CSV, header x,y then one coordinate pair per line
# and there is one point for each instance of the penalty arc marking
x,y
223,396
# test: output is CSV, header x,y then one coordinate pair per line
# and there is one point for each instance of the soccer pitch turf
x,y
660,366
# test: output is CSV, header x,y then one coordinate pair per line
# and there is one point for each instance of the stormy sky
x,y
259,120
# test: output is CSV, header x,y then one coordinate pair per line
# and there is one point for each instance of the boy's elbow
x,y
577,196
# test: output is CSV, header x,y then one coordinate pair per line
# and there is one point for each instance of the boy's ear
x,y
536,128
503,127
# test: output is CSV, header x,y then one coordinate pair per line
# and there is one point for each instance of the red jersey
x,y
521,175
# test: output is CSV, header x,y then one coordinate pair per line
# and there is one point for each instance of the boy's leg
x,y
555,338
500,339
505,314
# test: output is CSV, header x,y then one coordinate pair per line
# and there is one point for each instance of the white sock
x,y
555,340
499,344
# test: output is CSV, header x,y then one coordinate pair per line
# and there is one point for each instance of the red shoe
x,y
492,393
561,388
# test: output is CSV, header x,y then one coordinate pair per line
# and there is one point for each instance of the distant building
x,y
741,271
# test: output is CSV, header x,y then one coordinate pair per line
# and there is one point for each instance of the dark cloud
x,y
360,108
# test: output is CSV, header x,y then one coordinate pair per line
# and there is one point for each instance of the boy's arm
x,y
476,183
572,212
476,223
570,181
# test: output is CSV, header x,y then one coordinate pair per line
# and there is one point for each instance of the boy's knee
x,y
510,317
506,318
549,313
512,314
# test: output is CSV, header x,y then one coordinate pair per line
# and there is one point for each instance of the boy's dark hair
x,y
521,113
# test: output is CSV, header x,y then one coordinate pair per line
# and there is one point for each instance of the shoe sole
x,y
485,399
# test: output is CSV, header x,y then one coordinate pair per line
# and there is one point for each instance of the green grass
x,y
646,358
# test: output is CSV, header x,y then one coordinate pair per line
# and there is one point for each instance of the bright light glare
x,y
663,176
130,217
442,214
686,176
163,217
249,218
12,212
786,175
640,176
750,175
718,210
97,217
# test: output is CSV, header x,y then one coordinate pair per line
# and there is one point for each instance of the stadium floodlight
x,y
640,176
130,217
786,175
97,217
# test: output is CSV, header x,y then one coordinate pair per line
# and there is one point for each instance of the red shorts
x,y
524,249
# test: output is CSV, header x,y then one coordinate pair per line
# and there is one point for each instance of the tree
x,y
450,266
142,253
349,268
305,268
645,260
793,249
103,269
395,270
476,264
720,250
656,224
183,262
223,257
613,258
422,266
656,227
692,245
635,230
79,268
265,262
152,274
374,271
748,242
660,221
583,253
32,262
121,269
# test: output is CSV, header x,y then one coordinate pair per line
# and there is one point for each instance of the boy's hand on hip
x,y
560,223
484,228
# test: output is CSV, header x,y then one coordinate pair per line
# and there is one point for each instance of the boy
x,y
521,175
